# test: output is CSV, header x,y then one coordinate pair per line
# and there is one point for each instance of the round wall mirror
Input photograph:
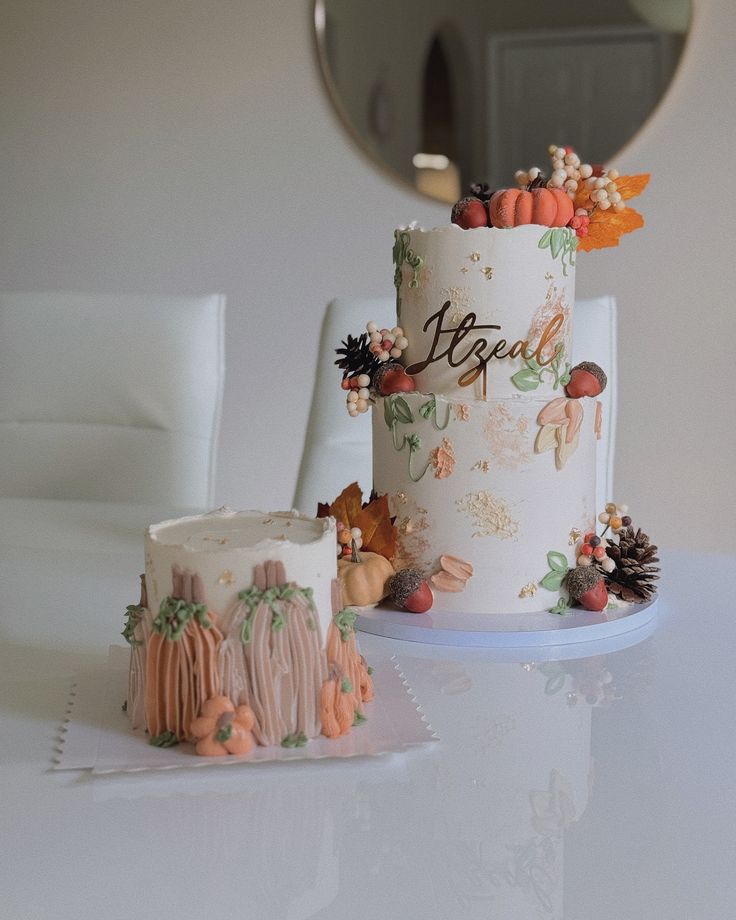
x,y
443,94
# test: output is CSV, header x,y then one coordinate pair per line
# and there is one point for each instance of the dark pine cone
x,y
481,190
355,358
633,578
539,182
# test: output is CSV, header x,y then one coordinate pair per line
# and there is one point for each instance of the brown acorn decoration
x,y
586,379
390,377
409,590
470,213
633,578
587,587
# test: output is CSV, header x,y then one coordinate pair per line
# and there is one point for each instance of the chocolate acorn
x,y
470,213
586,379
587,587
392,378
408,589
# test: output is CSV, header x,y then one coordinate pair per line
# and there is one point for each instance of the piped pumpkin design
x,y
222,729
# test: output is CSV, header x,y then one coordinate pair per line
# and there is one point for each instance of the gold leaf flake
x,y
474,257
482,465
222,541
267,521
548,276
488,272
465,269
528,590
226,577
490,514
401,497
575,535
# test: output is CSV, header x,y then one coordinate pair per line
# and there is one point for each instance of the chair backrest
x,y
110,397
338,448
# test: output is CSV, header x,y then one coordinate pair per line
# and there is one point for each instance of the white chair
x,y
110,397
338,449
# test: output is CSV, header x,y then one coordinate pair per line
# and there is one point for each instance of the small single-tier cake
x,y
240,636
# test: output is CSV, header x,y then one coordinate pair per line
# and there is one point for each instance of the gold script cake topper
x,y
479,348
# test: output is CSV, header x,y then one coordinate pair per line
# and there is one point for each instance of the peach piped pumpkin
x,y
513,207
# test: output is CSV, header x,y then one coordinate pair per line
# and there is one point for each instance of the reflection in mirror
x,y
443,94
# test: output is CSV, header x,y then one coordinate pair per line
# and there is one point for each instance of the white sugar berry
x,y
560,153
364,380
401,342
552,149
356,532
584,560
372,327
376,337
353,396
586,170
571,183
604,204
397,331
534,173
362,405
607,564
613,174
581,212
604,518
383,355
395,352
618,206
364,393
352,410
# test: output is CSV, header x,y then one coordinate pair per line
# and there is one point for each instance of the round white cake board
x,y
509,630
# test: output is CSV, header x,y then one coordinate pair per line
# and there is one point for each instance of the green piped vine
x,y
532,374
275,598
403,254
561,241
295,740
428,410
133,616
164,740
345,622
174,615
396,411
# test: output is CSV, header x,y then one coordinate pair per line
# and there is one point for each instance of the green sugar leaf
x,y
544,242
402,411
552,581
557,561
557,241
525,380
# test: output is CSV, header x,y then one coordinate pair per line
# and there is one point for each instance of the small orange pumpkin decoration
x,y
512,207
222,729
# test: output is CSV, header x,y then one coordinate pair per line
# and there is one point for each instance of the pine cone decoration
x,y
356,357
633,578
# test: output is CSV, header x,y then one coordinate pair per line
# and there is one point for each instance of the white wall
x,y
173,146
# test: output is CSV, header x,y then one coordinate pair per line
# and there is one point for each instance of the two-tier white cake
x,y
487,460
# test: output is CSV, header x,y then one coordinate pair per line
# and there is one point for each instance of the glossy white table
x,y
534,804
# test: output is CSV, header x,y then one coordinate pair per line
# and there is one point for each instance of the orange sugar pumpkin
x,y
512,207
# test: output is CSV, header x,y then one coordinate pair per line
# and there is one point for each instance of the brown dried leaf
x,y
347,505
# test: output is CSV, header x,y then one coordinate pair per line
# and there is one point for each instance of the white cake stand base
x,y
510,630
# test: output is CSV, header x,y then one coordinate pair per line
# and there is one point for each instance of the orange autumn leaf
x,y
606,227
627,186
347,505
379,534
631,186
